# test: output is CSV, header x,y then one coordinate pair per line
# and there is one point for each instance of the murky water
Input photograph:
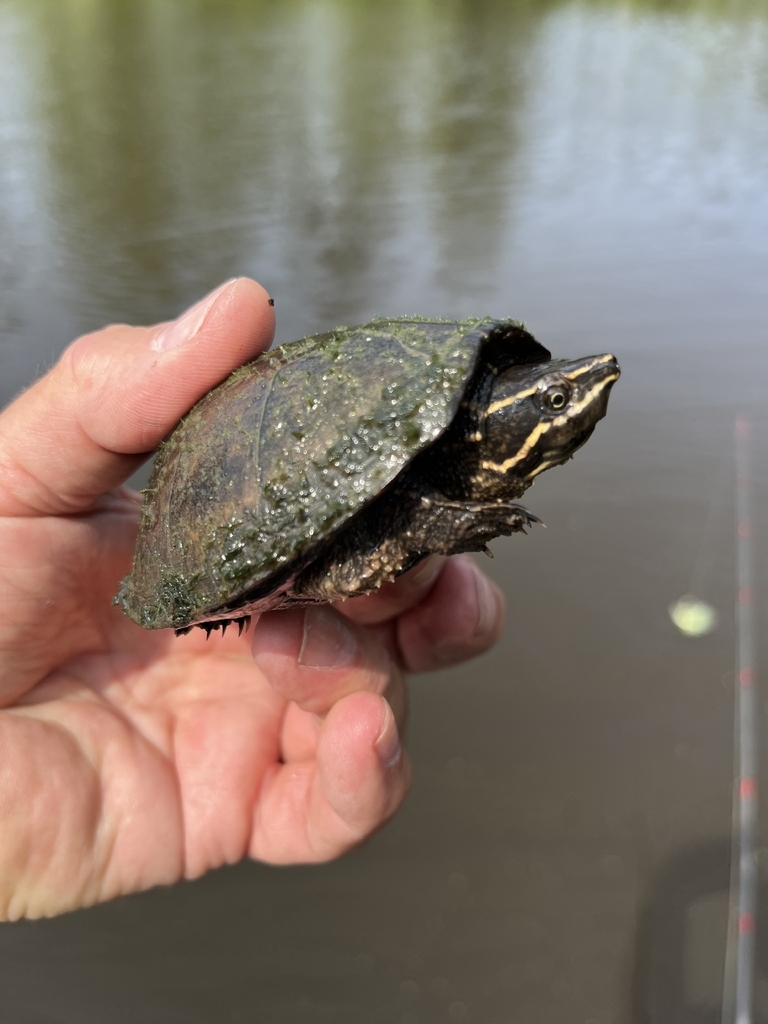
x,y
599,170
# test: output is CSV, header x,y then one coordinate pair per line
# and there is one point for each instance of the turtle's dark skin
x,y
328,467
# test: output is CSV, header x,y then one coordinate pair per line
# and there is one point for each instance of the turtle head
x,y
539,415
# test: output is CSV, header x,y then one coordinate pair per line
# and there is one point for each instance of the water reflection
x,y
597,168
178,157
354,155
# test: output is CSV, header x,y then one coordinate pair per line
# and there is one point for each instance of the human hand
x,y
131,758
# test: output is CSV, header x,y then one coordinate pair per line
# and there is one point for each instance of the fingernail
x,y
387,745
450,649
185,327
328,642
486,603
278,633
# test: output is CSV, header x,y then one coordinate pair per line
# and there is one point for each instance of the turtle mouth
x,y
605,377
594,377
611,371
604,373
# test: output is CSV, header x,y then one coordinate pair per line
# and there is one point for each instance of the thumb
x,y
115,394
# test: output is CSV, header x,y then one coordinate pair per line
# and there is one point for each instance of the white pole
x,y
745,866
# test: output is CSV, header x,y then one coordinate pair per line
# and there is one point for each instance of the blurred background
x,y
597,169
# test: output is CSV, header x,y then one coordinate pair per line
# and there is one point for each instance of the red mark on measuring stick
x,y
747,677
748,788
746,923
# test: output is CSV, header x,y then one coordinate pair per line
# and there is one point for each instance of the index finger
x,y
115,394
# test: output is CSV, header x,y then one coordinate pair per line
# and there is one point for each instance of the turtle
x,y
328,466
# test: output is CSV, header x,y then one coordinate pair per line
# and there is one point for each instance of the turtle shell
x,y
267,466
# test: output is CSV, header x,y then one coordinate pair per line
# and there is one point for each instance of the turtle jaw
x,y
602,373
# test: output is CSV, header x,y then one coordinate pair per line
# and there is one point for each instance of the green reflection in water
x,y
177,132
336,147
598,168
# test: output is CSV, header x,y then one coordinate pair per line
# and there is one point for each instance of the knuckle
x,y
80,362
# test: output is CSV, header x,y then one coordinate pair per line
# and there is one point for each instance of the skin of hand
x,y
131,758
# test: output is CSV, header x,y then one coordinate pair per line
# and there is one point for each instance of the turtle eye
x,y
555,397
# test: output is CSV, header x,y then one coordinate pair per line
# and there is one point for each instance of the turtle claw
x,y
528,515
243,624
222,624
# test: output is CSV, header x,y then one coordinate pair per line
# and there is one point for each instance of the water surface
x,y
598,169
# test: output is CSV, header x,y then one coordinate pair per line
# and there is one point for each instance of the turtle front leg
x,y
393,537
452,527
